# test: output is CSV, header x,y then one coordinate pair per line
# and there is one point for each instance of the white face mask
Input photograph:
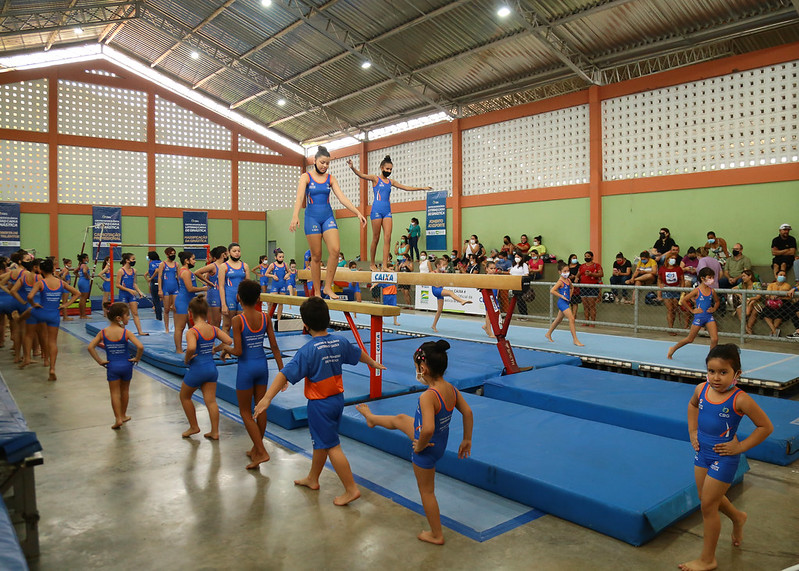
x,y
565,275
517,260
708,282
672,262
535,257
472,242
422,258
536,243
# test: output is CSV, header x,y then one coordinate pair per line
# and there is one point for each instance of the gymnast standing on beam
x,y
380,214
320,222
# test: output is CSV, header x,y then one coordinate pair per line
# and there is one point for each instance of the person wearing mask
x,y
662,245
539,245
705,261
473,246
507,246
622,270
689,265
590,273
503,262
645,272
536,265
783,248
425,266
752,304
670,275
717,246
523,246
414,232
401,248
776,309
519,268
732,274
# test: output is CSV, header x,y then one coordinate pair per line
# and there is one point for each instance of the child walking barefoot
x,y
429,429
202,373
714,412
440,293
118,364
562,290
707,302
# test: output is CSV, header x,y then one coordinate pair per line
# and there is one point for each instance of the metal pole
x,y
635,311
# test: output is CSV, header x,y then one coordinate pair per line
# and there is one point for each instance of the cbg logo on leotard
x,y
384,277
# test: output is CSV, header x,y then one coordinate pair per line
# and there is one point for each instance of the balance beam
x,y
377,312
477,281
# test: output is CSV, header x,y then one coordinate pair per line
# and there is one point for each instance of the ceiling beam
x,y
194,30
14,22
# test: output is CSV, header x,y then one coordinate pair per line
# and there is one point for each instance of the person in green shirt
x,y
414,231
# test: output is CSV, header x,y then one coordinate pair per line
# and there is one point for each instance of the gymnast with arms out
x,y
380,215
320,222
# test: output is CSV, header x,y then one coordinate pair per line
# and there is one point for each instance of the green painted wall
x,y
35,232
71,232
293,244
167,231
252,237
563,224
219,232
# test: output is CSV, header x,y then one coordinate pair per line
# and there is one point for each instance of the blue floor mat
x,y
638,403
576,469
17,441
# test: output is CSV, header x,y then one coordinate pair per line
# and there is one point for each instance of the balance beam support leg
x,y
500,331
376,352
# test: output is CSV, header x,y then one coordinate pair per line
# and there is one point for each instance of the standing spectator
x,y
590,273
520,268
523,246
689,264
536,265
783,248
705,261
733,269
662,245
507,246
473,246
645,272
573,266
717,246
503,262
538,245
622,270
414,232
670,275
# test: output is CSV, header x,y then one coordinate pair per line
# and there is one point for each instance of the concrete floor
x,y
144,498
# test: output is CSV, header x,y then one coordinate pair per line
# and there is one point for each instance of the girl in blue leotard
x,y
202,373
129,291
277,271
45,313
562,291
262,271
230,275
380,214
714,412
707,302
429,429
105,276
292,277
118,363
187,288
320,223
209,274
65,275
22,287
152,281
168,283
84,283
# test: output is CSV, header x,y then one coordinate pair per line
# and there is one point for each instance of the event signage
x,y
195,231
9,228
384,277
436,232
107,222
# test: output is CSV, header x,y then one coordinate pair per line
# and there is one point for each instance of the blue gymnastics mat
x,y
11,556
17,442
639,403
576,469
289,408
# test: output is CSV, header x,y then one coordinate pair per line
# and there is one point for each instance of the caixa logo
x,y
384,277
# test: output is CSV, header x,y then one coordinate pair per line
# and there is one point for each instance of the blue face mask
x,y
711,240
780,279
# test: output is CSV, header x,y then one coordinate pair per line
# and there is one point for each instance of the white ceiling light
x,y
266,3
195,55
366,64
503,12
281,102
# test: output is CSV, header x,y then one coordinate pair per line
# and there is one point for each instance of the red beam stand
x,y
375,351
501,330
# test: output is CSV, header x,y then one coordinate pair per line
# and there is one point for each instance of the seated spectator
x,y
472,266
455,255
777,308
401,248
425,263
675,249
689,266
406,265
645,271
523,246
783,248
503,262
507,246
717,247
747,282
492,256
520,268
662,245
732,274
473,246
538,244
590,273
670,275
793,311
622,270
536,265
705,261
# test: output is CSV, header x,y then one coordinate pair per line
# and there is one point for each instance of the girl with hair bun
x,y
429,429
320,222
380,214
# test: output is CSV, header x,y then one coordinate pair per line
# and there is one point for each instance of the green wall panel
x,y
71,232
35,233
252,237
168,231
293,244
220,232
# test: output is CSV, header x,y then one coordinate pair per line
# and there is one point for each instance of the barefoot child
x,y
562,291
202,373
118,364
707,302
252,375
491,268
390,291
440,293
714,412
319,362
429,430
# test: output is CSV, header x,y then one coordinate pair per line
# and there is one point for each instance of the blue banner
x,y
107,221
195,231
9,228
436,233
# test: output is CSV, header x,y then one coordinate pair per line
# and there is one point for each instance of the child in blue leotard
x,y
252,374
45,315
209,274
230,275
707,302
429,429
187,288
129,291
202,373
84,283
714,412
168,283
292,277
277,271
380,215
152,281
440,293
320,223
562,291
118,362
262,271
105,276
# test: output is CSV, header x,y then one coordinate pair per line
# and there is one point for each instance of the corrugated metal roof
x,y
428,55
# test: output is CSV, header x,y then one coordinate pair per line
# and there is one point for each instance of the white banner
x,y
424,299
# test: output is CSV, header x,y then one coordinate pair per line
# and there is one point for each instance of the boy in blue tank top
x,y
429,428
714,412
319,362
252,370
118,362
707,302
